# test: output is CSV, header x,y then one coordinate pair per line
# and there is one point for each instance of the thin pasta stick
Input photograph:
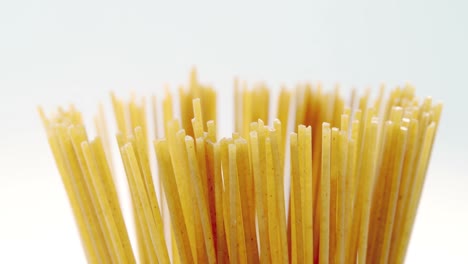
x,y
206,164
224,151
262,218
194,86
141,244
250,188
291,228
284,102
235,192
77,135
350,251
389,194
307,194
154,114
296,196
244,177
237,105
138,119
147,179
263,162
381,193
113,199
202,256
186,110
214,165
197,121
378,101
181,169
154,225
317,102
119,114
101,196
206,182
103,133
264,95
281,141
325,196
247,111
404,192
143,161
201,200
341,197
393,196
300,98
333,191
338,107
168,114
238,251
353,195
144,240
344,125
73,195
356,131
209,107
173,201
364,198
279,190
273,228
211,130
135,116
416,196
162,196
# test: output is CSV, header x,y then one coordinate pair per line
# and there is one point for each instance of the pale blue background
x,y
56,52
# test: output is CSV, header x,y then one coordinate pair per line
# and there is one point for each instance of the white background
x,y
58,52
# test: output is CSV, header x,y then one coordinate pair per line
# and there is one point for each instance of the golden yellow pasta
x,y
307,177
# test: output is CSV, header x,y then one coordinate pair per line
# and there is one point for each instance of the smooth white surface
x,y
57,52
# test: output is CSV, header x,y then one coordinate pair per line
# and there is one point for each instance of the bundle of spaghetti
x,y
342,185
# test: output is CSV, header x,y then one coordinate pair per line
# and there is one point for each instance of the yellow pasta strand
x,y
82,220
111,231
259,182
201,200
174,201
346,193
325,196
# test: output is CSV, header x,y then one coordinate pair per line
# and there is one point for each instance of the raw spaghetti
x,y
342,186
